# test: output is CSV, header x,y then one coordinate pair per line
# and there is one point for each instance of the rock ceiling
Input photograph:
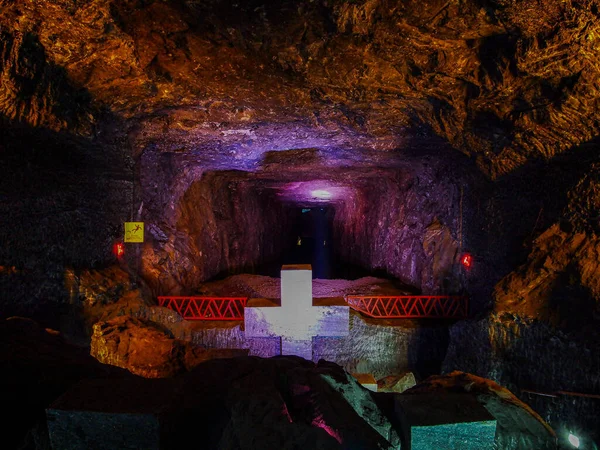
x,y
505,82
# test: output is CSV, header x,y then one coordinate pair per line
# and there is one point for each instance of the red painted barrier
x,y
380,307
410,307
206,308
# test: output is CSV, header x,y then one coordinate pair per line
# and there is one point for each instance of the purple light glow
x,y
314,192
319,422
321,194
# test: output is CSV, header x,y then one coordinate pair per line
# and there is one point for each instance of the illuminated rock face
x,y
256,85
366,70
404,220
412,232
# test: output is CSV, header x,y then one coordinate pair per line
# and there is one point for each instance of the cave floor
x,y
266,291
259,286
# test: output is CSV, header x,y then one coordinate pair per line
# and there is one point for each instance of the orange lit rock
x,y
102,294
136,346
588,267
145,349
558,258
396,383
98,287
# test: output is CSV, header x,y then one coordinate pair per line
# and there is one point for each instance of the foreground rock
x,y
251,403
519,427
239,403
532,355
396,383
38,366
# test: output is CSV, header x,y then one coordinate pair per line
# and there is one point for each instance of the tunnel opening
x,y
312,244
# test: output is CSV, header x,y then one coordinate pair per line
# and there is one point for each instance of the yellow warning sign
x,y
134,231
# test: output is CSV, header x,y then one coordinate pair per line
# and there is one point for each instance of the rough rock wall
x,y
385,350
38,92
559,283
506,81
222,226
526,354
66,178
64,200
543,334
406,225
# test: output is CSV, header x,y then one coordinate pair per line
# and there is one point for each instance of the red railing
x,y
379,307
410,307
206,308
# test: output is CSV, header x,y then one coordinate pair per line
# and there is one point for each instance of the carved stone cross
x,y
297,320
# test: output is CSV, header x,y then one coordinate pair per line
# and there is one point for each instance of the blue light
x,y
305,210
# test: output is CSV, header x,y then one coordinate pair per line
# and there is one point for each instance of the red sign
x,y
119,249
466,260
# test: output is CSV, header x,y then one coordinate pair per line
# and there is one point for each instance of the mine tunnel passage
x,y
400,222
313,245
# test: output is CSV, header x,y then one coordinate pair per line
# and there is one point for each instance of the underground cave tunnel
x,y
313,173
403,222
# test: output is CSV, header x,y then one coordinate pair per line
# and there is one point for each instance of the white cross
x,y
296,321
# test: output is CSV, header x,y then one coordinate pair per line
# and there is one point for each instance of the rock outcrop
x,y
396,383
519,427
145,349
559,283
38,365
528,355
